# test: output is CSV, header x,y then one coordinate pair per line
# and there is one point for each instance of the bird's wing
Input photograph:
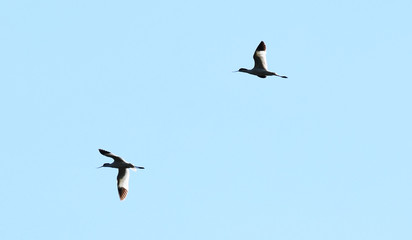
x,y
260,56
123,182
109,154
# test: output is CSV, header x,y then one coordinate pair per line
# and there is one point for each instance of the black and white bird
x,y
123,175
260,69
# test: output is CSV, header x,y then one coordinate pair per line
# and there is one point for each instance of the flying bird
x,y
260,69
123,175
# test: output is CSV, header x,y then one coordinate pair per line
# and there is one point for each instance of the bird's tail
x,y
137,167
277,75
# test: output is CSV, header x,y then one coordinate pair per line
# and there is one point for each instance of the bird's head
x,y
105,165
242,70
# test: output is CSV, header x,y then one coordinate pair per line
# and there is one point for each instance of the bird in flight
x,y
123,175
260,69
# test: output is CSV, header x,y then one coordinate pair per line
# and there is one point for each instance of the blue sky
x,y
324,154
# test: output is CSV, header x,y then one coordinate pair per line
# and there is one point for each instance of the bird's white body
x,y
123,175
260,69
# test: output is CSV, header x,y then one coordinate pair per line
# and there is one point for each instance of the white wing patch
x,y
260,60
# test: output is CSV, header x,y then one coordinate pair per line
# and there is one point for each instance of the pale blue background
x,y
325,154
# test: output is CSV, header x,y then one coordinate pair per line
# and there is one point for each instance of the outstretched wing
x,y
123,182
109,154
260,57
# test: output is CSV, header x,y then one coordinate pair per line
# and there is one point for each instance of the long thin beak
x,y
100,167
139,167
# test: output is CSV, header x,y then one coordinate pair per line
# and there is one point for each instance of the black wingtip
x,y
103,151
261,47
122,193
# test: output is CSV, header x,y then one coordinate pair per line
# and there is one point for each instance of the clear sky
x,y
324,154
